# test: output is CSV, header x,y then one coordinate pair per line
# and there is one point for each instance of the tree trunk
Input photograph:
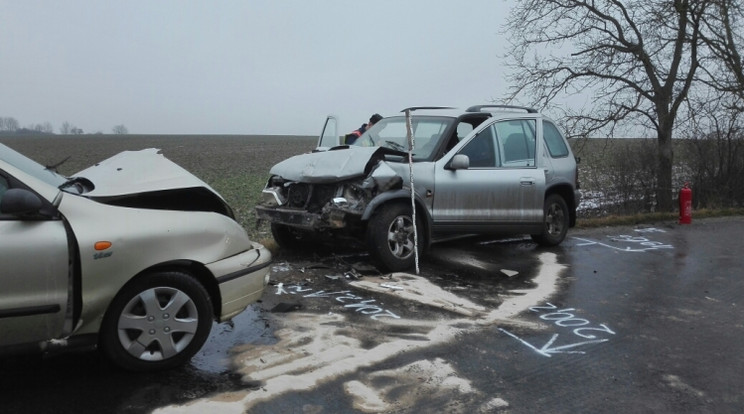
x,y
664,173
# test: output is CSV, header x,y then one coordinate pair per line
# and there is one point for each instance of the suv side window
x,y
517,142
553,139
481,149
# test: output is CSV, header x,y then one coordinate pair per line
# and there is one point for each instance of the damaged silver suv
x,y
489,169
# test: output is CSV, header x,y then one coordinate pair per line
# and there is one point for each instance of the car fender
x,y
140,239
400,194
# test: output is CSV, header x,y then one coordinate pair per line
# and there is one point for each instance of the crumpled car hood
x,y
330,166
136,172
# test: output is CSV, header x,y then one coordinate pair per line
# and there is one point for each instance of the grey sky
x,y
243,67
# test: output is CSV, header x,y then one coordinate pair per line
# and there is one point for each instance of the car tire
x,y
291,238
555,222
158,321
390,237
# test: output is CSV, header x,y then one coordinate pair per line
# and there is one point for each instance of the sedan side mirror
x,y
459,162
18,202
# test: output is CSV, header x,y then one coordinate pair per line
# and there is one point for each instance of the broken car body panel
x,y
134,172
336,164
343,181
119,222
146,179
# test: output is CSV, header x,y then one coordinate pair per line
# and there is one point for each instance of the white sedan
x,y
134,255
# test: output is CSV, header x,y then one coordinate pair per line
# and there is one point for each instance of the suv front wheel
x,y
390,237
555,222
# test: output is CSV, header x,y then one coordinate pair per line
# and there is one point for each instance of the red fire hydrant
x,y
685,204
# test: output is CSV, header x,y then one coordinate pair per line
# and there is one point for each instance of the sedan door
x,y
501,187
34,270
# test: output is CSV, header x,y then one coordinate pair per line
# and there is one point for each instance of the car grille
x,y
309,197
298,194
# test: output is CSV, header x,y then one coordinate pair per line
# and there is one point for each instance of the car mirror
x,y
17,201
459,162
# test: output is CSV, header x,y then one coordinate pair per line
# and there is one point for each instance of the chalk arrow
x,y
547,349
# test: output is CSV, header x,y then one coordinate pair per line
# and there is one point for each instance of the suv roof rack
x,y
479,108
414,108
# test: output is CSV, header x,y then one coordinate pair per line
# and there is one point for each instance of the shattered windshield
x,y
391,133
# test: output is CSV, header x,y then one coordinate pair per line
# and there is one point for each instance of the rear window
x,y
553,139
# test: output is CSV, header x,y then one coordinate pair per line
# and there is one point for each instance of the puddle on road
x,y
314,349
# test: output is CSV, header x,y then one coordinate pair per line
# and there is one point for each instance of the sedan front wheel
x,y
158,321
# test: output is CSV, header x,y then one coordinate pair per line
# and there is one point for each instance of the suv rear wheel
x,y
390,237
555,222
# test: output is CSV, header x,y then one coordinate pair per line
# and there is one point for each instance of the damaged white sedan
x,y
489,169
134,255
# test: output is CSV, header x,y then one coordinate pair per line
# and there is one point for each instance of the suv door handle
x,y
525,181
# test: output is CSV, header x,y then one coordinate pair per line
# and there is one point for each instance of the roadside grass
x,y
243,192
649,218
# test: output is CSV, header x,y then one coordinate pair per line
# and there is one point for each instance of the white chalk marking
x,y
547,350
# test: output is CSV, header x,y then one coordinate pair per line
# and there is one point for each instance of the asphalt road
x,y
622,319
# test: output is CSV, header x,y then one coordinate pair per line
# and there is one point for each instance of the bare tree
x,y
65,128
637,59
119,130
8,124
722,65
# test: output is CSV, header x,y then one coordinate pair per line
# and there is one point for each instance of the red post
x,y
685,204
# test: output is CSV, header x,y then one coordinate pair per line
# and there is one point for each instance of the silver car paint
x,y
133,172
326,166
516,199
140,239
38,248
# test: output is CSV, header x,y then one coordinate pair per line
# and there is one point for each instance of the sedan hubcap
x,y
158,323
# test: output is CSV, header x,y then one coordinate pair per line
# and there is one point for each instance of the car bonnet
x,y
337,164
136,172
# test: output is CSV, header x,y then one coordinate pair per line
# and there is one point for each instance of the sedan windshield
x,y
391,133
31,167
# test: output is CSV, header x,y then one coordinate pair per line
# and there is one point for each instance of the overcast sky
x,y
243,66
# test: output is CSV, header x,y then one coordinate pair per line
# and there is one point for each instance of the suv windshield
x,y
31,167
391,133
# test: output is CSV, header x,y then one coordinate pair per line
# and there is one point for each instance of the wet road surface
x,y
632,319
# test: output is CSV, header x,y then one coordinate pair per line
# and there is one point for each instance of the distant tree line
x,y
11,126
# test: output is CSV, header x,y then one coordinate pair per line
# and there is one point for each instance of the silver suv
x,y
489,169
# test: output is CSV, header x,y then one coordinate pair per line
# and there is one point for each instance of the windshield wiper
x,y
394,145
53,167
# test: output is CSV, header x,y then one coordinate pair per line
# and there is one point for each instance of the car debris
x,y
389,286
509,273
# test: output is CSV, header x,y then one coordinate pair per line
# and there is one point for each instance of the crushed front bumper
x,y
290,217
242,279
